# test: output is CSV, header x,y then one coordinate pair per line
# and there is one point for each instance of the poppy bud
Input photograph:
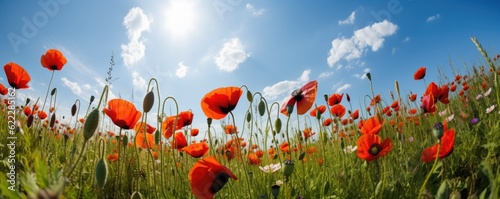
x,y
347,97
302,155
262,108
52,120
125,141
73,110
342,144
249,116
91,124
148,102
369,76
275,190
288,168
326,97
27,101
277,125
318,114
289,109
437,130
29,121
396,84
249,96
157,137
53,91
209,122
101,172
92,99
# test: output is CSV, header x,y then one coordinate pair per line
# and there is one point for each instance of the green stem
x,y
422,188
78,159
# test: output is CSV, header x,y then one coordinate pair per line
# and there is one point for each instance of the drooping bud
x,y
149,101
92,99
101,172
262,108
52,120
326,97
437,130
209,122
288,168
277,125
91,124
27,101
249,96
302,155
249,116
29,121
73,109
348,97
289,109
125,141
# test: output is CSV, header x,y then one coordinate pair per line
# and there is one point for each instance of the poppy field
x,y
441,143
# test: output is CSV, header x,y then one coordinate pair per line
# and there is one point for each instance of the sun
x,y
180,17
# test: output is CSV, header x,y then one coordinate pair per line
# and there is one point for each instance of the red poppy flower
x,y
375,100
196,150
207,177
3,90
112,157
185,118
447,143
141,126
355,115
179,141
370,147
195,131
253,159
304,98
53,60
428,105
327,122
230,129
17,77
144,141
219,102
335,99
27,111
321,110
419,74
371,126
42,115
338,110
123,113
413,97
308,133
284,147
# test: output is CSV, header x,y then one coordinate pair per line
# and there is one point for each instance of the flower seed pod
x,y
29,121
288,168
437,130
249,96
369,76
148,102
53,91
101,172
92,99
275,190
91,124
52,120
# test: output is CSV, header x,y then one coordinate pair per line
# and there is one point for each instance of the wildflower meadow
x,y
441,143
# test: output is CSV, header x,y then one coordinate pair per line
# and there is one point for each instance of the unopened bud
x,y
101,172
437,130
288,168
148,102
91,124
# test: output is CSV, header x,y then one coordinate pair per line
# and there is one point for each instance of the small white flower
x,y
442,113
410,139
491,108
271,168
487,92
449,118
479,96
350,149
279,182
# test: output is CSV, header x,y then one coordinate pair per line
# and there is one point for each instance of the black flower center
x,y
219,182
297,95
375,148
227,109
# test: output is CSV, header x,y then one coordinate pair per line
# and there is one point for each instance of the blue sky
x,y
273,47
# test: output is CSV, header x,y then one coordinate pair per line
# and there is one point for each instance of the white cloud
x,y
87,86
254,11
75,88
407,39
325,74
433,17
138,81
353,47
102,83
231,55
342,88
362,75
349,20
394,50
182,70
135,22
286,86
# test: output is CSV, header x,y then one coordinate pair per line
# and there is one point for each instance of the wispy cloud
x,y
325,74
407,39
182,70
433,18
343,88
231,55
362,75
352,48
286,86
73,86
394,50
138,81
255,12
135,22
349,20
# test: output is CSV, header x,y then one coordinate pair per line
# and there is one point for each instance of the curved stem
x,y
48,88
430,172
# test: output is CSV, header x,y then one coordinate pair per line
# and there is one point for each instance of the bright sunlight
x,y
180,17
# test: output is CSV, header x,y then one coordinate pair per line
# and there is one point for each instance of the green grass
x,y
45,159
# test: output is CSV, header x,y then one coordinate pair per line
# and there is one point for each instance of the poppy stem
x,y
78,159
48,88
431,171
